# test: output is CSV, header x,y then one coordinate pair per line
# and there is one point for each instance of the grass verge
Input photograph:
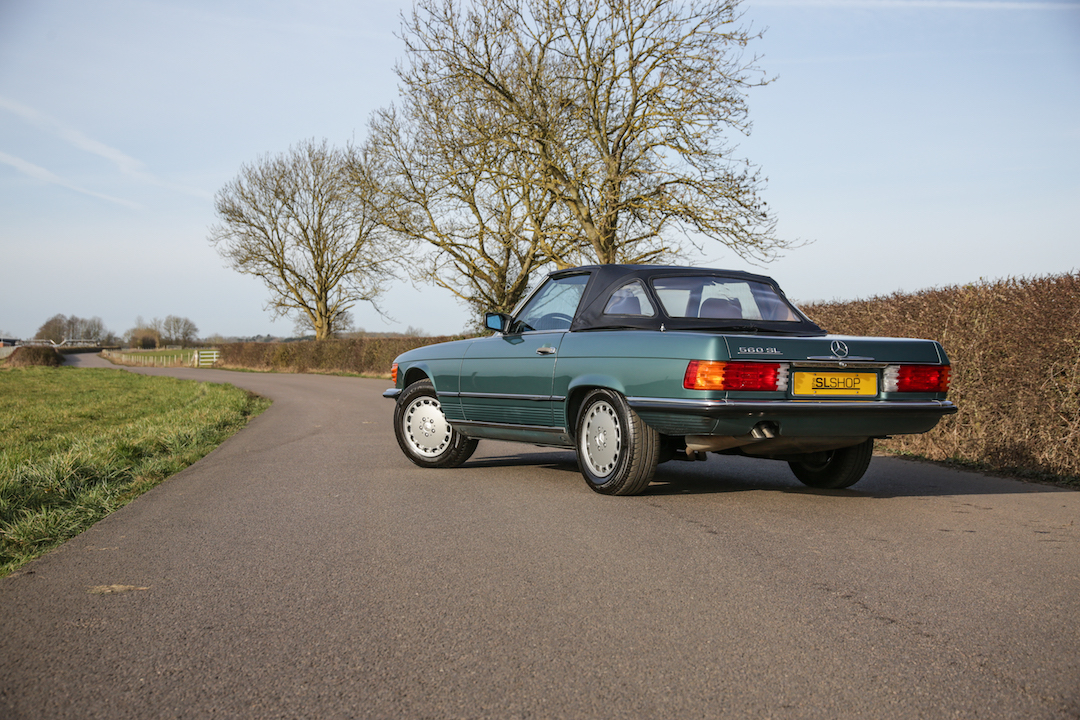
x,y
79,444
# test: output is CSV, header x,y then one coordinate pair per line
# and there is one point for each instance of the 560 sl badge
x,y
759,351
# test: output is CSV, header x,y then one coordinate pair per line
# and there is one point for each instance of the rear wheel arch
x,y
575,395
573,407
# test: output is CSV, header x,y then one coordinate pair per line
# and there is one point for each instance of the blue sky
x,y
914,143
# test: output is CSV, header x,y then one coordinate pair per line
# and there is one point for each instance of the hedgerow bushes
x,y
35,356
365,356
1015,352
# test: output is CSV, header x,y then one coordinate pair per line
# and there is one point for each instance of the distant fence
x,y
206,358
193,358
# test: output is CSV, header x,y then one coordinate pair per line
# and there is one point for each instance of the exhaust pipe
x,y
765,431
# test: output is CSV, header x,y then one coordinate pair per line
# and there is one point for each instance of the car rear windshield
x,y
714,297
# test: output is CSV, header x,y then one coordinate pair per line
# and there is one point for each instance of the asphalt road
x,y
306,569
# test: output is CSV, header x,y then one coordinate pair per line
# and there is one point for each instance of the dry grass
x,y
1015,350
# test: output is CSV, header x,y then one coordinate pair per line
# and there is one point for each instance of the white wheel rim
x,y
601,439
426,427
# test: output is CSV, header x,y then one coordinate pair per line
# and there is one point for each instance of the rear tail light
x,y
917,378
712,375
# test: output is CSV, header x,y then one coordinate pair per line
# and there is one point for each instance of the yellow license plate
x,y
843,384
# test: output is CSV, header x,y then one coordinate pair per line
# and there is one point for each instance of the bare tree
x,y
145,335
293,221
614,110
62,327
178,330
55,329
343,325
448,182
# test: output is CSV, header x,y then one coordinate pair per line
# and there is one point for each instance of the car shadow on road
x,y
887,477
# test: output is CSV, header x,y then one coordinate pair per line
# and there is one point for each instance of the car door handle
x,y
546,350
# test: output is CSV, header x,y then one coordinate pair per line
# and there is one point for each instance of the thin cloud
x,y
123,162
39,173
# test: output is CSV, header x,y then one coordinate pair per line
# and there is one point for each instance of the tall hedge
x,y
366,356
1015,352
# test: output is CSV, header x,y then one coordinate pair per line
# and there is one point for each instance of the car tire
x,y
423,432
837,469
617,452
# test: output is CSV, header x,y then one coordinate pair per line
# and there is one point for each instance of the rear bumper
x,y
833,408
806,418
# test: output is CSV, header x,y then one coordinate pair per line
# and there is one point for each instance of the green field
x,y
77,444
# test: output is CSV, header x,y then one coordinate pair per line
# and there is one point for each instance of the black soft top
x,y
606,279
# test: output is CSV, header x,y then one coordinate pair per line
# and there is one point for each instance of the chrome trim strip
x,y
763,407
833,363
508,426
503,396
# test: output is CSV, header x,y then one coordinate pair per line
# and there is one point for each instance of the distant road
x,y
305,569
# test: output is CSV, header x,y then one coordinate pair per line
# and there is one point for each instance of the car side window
x,y
630,299
553,306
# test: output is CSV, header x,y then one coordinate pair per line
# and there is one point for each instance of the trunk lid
x,y
834,348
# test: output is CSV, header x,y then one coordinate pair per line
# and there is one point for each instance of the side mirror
x,y
496,321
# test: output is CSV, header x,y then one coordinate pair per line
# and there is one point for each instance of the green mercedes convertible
x,y
636,365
